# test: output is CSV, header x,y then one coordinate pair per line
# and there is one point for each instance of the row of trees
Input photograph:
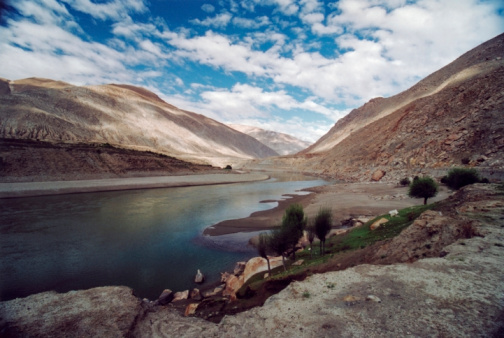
x,y
283,241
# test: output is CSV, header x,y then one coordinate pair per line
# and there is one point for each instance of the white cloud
x,y
208,8
115,9
220,20
258,22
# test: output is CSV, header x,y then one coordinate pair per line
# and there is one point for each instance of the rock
x,y
373,298
195,294
298,262
181,295
200,278
108,311
377,175
224,277
214,292
239,268
393,213
165,297
191,309
259,264
378,223
233,284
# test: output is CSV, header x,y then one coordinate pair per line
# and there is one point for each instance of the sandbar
x,y
25,189
346,200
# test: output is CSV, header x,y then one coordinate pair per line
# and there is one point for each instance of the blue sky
x,y
293,66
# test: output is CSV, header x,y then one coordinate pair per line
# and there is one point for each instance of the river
x,y
149,240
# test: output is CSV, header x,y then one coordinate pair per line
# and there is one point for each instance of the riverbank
x,y
346,200
25,189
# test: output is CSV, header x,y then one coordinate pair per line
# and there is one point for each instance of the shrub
x,y
405,181
424,187
460,177
228,167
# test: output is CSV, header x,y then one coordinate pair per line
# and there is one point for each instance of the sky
x,y
292,66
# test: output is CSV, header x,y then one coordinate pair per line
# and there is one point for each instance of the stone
x,y
373,299
239,268
378,223
200,278
166,297
214,292
181,295
233,284
191,309
377,175
393,213
224,277
298,262
195,294
259,264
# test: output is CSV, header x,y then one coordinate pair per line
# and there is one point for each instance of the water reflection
x,y
144,239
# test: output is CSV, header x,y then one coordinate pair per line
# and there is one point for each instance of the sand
x,y
24,189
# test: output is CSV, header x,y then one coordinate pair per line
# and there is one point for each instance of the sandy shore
x,y
24,189
346,200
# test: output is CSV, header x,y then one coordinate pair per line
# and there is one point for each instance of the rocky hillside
x,y
454,115
283,144
121,115
456,291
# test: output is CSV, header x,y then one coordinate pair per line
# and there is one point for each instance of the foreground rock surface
x,y
459,294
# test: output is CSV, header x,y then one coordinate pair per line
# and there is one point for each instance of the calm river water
x,y
148,240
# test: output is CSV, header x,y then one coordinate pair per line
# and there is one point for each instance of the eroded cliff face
x,y
458,291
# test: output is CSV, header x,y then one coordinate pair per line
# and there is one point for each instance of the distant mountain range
x,y
283,144
120,115
453,117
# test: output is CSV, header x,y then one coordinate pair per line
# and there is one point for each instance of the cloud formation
x,y
277,63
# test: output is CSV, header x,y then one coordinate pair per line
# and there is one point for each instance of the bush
x,y
460,177
424,187
405,181
228,167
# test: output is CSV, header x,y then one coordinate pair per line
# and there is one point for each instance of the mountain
x,y
283,144
451,117
120,115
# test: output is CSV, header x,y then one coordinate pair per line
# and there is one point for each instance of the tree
x,y
279,243
293,223
311,238
424,187
263,248
459,177
323,223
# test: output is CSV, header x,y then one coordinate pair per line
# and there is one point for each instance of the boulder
x,y
378,223
233,284
200,278
224,276
377,175
298,262
239,268
259,264
195,294
165,297
190,309
214,292
181,295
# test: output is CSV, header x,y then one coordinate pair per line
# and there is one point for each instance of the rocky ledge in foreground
x,y
459,294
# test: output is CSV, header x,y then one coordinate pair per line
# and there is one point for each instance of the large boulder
x,y
100,312
378,175
165,297
259,264
233,284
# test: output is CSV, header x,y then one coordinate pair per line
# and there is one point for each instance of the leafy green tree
x,y
279,243
323,223
424,187
459,177
263,248
294,223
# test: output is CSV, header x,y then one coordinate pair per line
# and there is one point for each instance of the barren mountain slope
x,y
283,144
462,69
458,118
127,116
